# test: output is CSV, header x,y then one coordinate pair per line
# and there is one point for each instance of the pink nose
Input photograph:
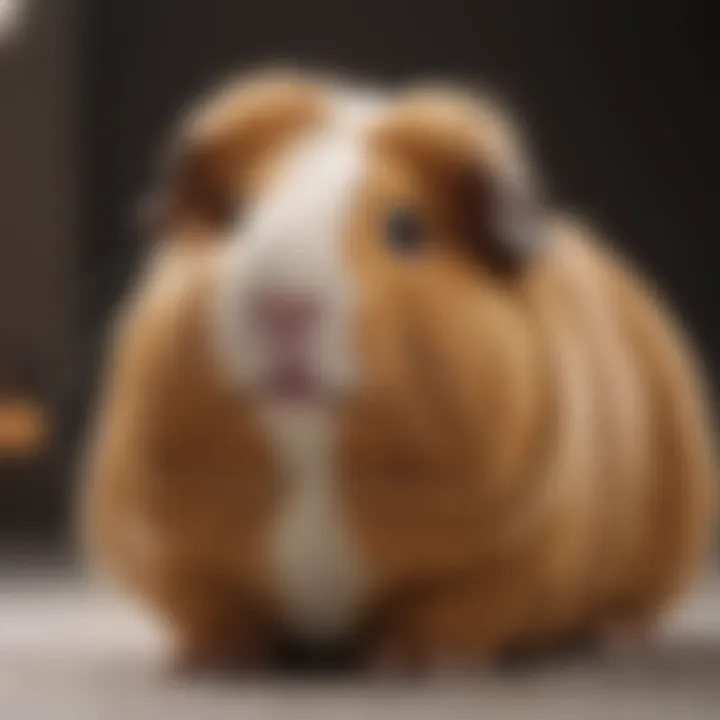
x,y
287,317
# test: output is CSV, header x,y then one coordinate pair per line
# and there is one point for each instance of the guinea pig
x,y
370,386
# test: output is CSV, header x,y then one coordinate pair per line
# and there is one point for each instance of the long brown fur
x,y
529,454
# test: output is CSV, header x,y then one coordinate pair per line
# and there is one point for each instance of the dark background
x,y
618,97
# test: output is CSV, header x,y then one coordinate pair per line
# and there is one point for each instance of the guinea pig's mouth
x,y
295,384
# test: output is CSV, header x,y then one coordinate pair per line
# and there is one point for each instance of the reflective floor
x,y
67,651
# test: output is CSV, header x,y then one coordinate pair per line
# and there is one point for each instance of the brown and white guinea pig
x,y
370,386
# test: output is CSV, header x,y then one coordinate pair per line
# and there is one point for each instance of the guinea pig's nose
x,y
288,317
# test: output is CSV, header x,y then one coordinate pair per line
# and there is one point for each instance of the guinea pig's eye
x,y
404,230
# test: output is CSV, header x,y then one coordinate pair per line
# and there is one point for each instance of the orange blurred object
x,y
23,426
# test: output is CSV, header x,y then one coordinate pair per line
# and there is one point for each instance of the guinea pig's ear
x,y
207,168
475,158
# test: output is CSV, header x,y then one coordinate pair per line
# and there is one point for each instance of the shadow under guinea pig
x,y
296,659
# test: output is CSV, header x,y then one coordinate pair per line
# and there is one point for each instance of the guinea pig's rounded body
x,y
395,401
584,503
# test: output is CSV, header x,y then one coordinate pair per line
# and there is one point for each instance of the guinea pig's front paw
x,y
423,657
622,638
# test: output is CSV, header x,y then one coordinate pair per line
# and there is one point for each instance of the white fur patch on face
x,y
291,242
356,110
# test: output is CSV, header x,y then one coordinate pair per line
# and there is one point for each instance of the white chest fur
x,y
290,239
319,574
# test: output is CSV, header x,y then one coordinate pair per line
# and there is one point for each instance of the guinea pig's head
x,y
358,234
